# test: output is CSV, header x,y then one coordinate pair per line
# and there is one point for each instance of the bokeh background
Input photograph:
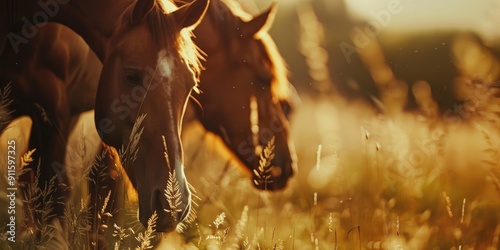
x,y
405,41
396,135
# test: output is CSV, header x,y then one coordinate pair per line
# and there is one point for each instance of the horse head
x,y
245,94
149,70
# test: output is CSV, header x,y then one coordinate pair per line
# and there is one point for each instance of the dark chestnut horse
x,y
149,61
245,95
52,78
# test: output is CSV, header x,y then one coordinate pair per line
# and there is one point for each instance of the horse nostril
x,y
281,174
276,172
282,168
161,203
157,201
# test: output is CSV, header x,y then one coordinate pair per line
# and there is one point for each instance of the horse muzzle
x,y
172,206
277,176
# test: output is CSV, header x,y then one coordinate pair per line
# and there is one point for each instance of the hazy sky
x,y
480,15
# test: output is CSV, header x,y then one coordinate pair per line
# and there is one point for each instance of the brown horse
x,y
149,61
53,78
245,95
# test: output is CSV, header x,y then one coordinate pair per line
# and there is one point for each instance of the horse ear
x,y
261,22
141,10
191,14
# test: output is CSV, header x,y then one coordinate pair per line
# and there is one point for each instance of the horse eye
x,y
132,76
287,108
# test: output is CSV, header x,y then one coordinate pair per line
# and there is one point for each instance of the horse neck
x,y
212,32
94,20
102,15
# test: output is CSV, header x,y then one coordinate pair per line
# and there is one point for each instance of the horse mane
x,y
280,86
162,27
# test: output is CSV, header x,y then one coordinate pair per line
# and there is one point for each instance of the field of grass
x,y
398,180
365,181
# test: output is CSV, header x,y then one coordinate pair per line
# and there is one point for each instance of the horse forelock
x,y
166,34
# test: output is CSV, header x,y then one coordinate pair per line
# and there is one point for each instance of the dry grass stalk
x,y
128,154
192,215
262,175
102,215
5,102
448,204
78,224
146,237
27,159
120,234
173,194
240,227
40,203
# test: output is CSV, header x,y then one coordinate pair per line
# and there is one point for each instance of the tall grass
x,y
366,181
407,185
80,231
